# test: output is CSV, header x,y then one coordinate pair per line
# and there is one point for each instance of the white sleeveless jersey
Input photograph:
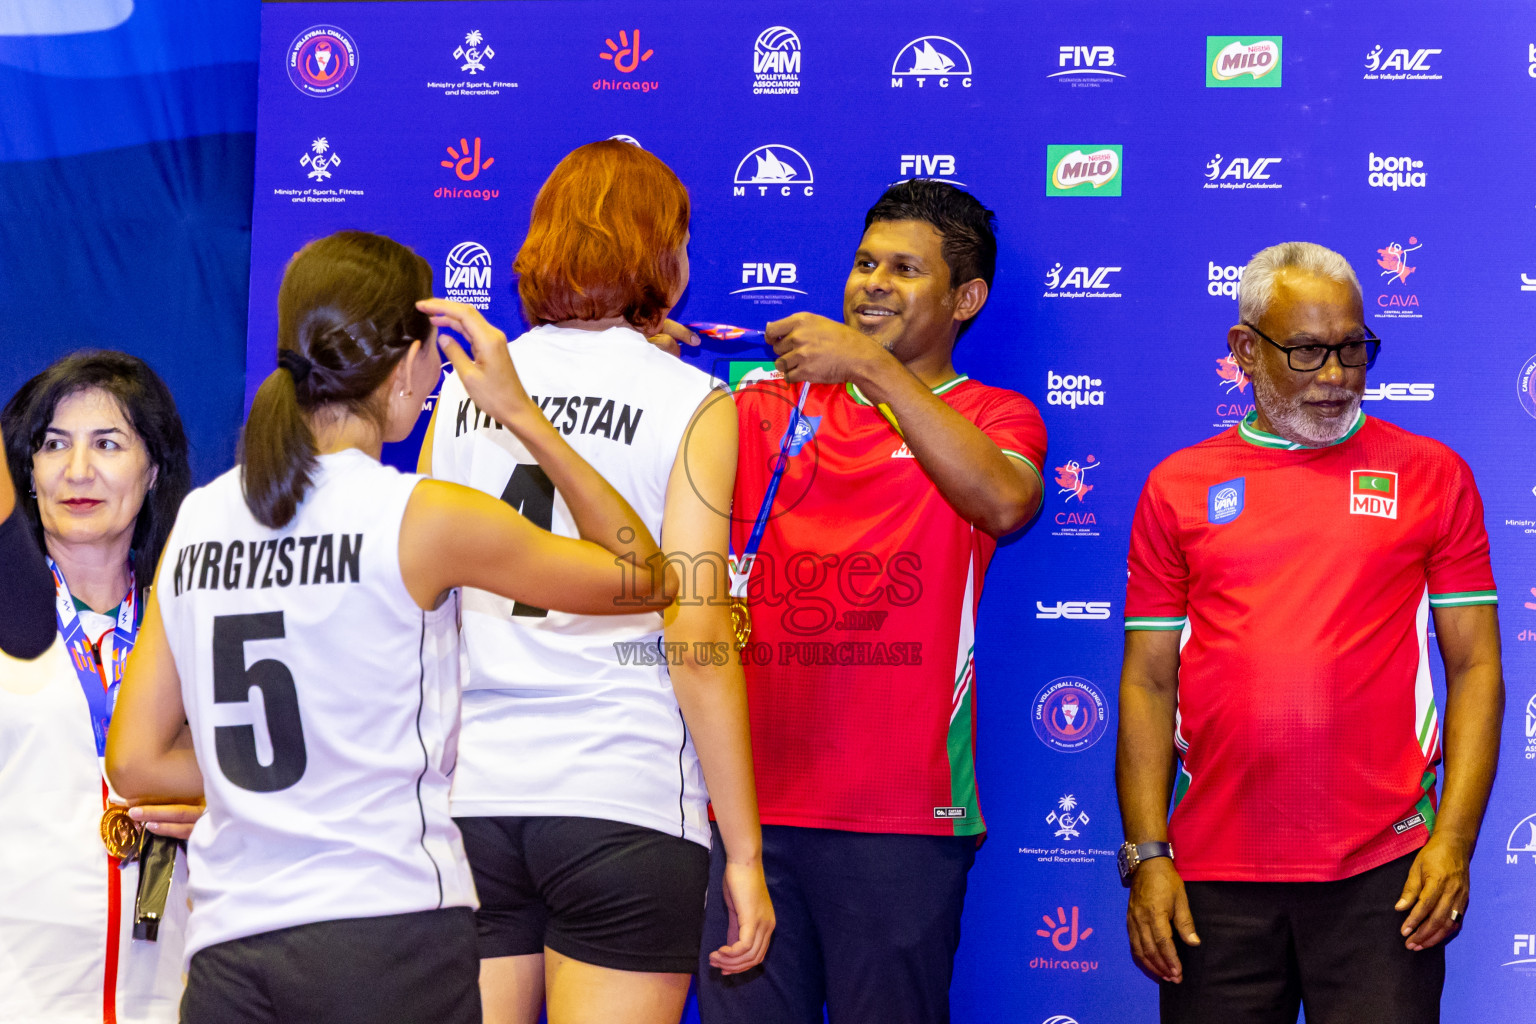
x,y
323,705
574,714
61,901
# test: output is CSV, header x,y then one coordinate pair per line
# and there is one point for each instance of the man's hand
x,y
813,348
1438,883
749,916
174,820
671,336
1158,898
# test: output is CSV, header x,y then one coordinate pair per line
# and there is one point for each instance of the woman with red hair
x,y
586,741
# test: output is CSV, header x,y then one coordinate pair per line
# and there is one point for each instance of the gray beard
x,y
1292,421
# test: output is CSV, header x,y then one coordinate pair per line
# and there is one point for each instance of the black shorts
x,y
401,969
602,892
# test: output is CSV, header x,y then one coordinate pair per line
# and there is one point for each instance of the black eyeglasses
x,y
1309,358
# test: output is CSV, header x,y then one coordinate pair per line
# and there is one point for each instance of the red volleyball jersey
x,y
863,603
1302,579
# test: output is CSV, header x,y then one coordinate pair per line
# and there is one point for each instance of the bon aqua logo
x,y
1082,170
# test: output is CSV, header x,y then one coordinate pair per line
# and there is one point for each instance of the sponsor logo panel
x,y
774,170
1398,264
467,275
1070,714
1085,67
1082,170
1073,389
1072,610
931,61
937,166
468,70
467,160
322,61
626,55
1241,172
1242,62
1068,822
1400,65
1073,482
1395,172
776,63
320,163
769,284
1081,283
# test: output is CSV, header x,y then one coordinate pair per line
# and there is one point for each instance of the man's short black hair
x,y
966,227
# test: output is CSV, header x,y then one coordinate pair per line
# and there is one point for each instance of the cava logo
x,y
1395,172
1395,269
1222,280
773,170
1242,61
1525,388
322,61
626,56
1373,492
1085,67
1400,65
1073,390
1234,386
1082,170
1240,172
937,166
1400,393
1072,610
1072,487
931,57
1080,283
776,63
769,283
467,275
1231,373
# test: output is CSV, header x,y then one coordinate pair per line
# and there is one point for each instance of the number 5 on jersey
x,y
232,684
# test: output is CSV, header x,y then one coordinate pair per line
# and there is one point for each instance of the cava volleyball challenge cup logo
x,y
1070,714
322,61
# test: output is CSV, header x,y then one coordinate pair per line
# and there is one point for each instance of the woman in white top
x,y
586,744
101,458
304,627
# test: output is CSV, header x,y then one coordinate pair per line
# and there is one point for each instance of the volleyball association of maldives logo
x,y
1070,714
1082,170
322,61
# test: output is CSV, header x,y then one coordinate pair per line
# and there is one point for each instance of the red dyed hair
x,y
603,239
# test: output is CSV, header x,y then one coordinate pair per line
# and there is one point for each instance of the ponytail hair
x,y
346,315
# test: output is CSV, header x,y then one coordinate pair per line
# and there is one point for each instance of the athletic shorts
x,y
602,892
400,969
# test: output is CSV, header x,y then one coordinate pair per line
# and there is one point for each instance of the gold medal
x,y
741,621
120,833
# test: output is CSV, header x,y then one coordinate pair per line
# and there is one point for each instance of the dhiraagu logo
x,y
1082,170
1242,62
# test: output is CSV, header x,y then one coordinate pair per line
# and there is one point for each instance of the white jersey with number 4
x,y
575,714
323,704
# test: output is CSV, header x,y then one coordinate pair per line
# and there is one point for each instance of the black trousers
x,y
401,969
1269,948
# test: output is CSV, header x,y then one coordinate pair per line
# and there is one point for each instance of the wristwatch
x,y
1132,854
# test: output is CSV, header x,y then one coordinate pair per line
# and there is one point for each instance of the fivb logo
x,y
774,169
1396,172
1400,65
1072,610
936,57
1242,62
1080,283
776,63
1073,390
1082,170
467,275
1373,492
1240,172
935,166
1222,280
1085,65
768,280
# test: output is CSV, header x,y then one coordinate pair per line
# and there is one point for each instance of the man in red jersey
x,y
900,476
1282,579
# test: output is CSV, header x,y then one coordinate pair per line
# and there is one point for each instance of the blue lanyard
x,y
741,568
100,683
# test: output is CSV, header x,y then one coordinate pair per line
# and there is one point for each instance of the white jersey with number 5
x,y
575,714
323,704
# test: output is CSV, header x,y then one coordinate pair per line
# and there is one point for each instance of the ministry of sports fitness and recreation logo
x,y
1081,283
466,161
319,163
931,58
1400,65
1397,263
467,275
1242,62
1082,170
776,63
769,284
1072,487
1240,172
773,170
1067,819
1085,67
320,159
471,57
1070,714
322,61
626,57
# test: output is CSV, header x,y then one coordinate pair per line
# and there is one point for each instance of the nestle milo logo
x,y
1082,170
1242,62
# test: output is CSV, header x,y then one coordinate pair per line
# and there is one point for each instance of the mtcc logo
x,y
1085,66
776,63
319,160
467,275
1240,172
937,166
1073,390
1395,172
936,57
1242,61
1222,280
1070,168
1400,65
1072,610
1081,283
1522,841
773,169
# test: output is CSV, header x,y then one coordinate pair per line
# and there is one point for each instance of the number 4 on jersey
x,y
532,494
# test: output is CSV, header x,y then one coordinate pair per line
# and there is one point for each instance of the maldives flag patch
x,y
1373,492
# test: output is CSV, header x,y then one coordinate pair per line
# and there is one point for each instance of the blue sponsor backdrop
x,y
1132,179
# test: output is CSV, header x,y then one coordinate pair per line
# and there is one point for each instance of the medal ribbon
x,y
100,687
741,568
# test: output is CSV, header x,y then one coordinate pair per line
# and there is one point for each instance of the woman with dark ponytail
x,y
328,879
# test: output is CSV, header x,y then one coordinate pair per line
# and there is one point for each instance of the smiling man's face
x,y
899,292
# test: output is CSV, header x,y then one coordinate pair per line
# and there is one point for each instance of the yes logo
x,y
1063,935
1373,492
1070,168
1242,62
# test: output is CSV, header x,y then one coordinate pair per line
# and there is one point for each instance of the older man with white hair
x,y
1282,579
